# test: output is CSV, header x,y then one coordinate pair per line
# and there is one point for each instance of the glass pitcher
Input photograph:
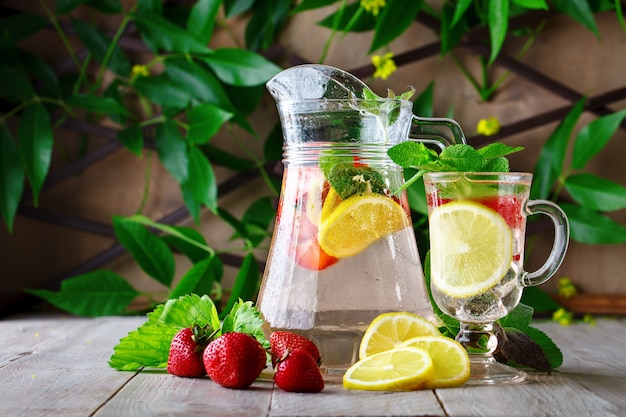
x,y
343,249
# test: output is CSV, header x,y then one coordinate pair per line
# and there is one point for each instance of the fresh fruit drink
x,y
477,247
343,251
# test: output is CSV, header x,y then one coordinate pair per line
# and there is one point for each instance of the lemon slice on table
x,y
471,248
389,330
358,221
397,369
450,359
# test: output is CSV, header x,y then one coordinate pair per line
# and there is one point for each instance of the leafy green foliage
x,y
594,196
186,102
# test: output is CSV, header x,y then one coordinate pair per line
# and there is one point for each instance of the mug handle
x,y
561,238
441,132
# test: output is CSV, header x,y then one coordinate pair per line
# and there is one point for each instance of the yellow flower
x,y
384,65
373,6
489,126
139,71
563,317
566,288
588,318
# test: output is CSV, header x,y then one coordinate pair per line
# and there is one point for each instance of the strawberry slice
x,y
311,256
508,206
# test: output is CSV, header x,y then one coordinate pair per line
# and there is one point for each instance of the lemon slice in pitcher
x,y
404,368
471,248
358,221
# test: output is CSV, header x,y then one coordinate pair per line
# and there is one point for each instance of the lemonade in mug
x,y
477,232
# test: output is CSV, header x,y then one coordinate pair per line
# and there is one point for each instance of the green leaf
x,y
187,241
182,234
498,150
201,180
532,4
459,10
66,6
245,318
451,34
550,349
498,25
96,104
47,80
193,206
35,145
98,44
165,91
172,150
202,19
344,19
246,282
228,160
580,11
107,6
98,293
16,86
22,25
588,226
12,178
150,252
596,193
161,35
149,345
233,8
538,299
265,24
592,138
205,120
200,278
519,318
393,21
132,138
273,147
462,158
550,162
240,67
232,221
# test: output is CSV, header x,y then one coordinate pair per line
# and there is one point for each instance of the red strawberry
x,y
299,372
311,256
508,206
186,349
234,360
281,342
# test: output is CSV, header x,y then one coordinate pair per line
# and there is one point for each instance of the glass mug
x,y
477,231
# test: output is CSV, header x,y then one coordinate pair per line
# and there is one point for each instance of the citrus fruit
x,y
358,221
389,330
471,248
404,368
331,201
450,359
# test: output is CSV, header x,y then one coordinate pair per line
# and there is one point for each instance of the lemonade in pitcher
x,y
343,249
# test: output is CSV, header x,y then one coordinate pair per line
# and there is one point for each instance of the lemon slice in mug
x,y
358,221
471,248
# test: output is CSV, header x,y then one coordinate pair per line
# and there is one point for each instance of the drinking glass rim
x,y
480,176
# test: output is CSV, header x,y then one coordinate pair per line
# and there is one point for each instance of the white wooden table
x,y
56,365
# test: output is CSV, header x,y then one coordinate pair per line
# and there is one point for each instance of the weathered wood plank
x,y
335,401
160,394
60,365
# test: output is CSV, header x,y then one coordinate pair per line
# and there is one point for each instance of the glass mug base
x,y
487,371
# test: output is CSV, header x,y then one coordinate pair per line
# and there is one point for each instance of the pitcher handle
x,y
437,131
561,237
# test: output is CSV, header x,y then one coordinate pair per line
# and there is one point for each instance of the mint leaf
x,y
461,158
411,154
519,318
349,180
245,318
497,150
520,348
549,348
149,345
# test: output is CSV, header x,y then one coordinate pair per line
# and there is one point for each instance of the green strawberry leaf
x,y
148,346
245,318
